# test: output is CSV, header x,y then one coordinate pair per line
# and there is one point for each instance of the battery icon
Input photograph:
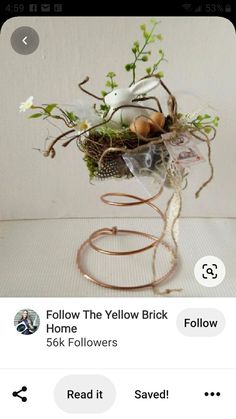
x,y
228,8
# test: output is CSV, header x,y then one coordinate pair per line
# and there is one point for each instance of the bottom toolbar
x,y
115,393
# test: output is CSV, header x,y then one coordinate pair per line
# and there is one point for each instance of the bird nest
x,y
104,150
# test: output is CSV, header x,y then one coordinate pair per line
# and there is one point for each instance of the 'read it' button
x,y
84,394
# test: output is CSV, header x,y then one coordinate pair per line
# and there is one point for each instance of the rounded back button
x,y
24,40
84,394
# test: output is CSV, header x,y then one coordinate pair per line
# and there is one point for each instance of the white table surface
x,y
37,257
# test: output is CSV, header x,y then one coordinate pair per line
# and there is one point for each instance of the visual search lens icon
x,y
209,271
17,394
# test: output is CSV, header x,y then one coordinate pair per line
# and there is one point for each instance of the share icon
x,y
17,394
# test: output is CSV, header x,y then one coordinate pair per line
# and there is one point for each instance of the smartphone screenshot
x,y
117,216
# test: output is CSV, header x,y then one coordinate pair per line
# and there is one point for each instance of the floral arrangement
x,y
126,133
130,122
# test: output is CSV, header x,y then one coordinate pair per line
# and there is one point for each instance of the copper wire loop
x,y
110,231
155,242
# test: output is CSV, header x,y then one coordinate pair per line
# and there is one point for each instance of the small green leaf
x,y
50,107
152,39
207,130
103,93
104,107
108,83
128,67
160,74
160,37
148,70
199,118
72,116
146,34
35,115
153,22
143,27
145,58
111,74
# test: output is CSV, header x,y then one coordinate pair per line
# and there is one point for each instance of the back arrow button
x,y
24,40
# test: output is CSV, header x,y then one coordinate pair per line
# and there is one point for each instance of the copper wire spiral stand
x,y
98,154
155,243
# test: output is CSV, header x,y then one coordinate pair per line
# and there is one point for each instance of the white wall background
x,y
201,58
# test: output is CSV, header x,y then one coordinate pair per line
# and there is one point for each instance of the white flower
x,y
24,106
82,126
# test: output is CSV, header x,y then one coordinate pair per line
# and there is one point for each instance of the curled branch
x,y
47,152
86,91
150,98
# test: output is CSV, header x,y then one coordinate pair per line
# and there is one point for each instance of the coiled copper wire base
x,y
155,242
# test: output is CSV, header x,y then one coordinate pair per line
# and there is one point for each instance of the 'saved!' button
x,y
84,394
204,322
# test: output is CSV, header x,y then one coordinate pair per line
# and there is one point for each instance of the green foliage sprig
x,y
203,122
111,84
142,54
46,111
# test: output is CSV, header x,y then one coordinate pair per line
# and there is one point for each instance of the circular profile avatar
x,y
26,322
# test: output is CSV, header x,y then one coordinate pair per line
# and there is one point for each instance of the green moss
x,y
92,167
107,131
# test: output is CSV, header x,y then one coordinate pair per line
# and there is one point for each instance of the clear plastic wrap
x,y
149,165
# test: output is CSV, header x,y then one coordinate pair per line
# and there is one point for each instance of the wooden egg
x,y
158,120
140,126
